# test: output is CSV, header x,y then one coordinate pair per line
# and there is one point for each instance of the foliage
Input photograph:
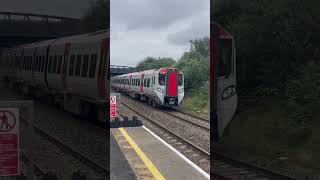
x,y
195,66
153,63
97,16
276,41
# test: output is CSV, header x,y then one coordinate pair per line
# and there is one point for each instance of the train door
x,y
102,74
64,76
141,84
227,99
172,82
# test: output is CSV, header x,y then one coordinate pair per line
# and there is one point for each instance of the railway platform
x,y
151,158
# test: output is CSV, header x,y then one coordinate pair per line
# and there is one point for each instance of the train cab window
x,y
148,82
226,57
54,67
92,67
71,65
162,79
78,65
85,64
180,80
59,64
50,64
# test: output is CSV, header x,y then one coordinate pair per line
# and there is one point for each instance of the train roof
x,y
88,37
162,70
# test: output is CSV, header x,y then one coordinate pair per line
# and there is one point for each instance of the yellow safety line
x,y
144,158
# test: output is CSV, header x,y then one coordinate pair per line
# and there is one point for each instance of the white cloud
x,y
155,28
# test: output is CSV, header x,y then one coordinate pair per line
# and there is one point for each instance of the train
x,y
71,72
223,74
163,87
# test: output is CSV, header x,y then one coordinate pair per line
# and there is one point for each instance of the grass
x,y
197,100
260,132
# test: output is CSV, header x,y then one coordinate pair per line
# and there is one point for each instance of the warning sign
x,y
9,142
113,106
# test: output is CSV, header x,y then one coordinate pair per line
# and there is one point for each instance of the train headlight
x,y
181,90
228,92
160,90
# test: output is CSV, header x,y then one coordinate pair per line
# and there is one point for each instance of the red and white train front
x,y
170,86
163,87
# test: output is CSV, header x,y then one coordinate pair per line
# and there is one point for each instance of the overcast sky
x,y
157,28
66,8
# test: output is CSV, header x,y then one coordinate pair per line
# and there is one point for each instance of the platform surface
x,y
168,163
119,166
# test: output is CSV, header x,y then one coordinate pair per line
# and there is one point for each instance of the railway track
x,y
192,115
191,119
232,169
96,167
169,131
194,120
190,149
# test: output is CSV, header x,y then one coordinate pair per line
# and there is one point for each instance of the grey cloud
x,y
153,14
197,29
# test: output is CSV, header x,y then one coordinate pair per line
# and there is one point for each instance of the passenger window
x,y
93,63
39,63
149,82
43,63
71,65
78,65
50,65
54,67
29,63
85,65
59,64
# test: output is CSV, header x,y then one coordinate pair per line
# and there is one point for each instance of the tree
x,y
97,17
153,63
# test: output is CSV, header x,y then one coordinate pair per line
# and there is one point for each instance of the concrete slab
x,y
119,166
167,162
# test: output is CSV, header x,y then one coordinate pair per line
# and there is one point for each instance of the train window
x,y
180,81
226,57
24,62
54,66
71,65
78,65
50,64
59,64
149,82
144,83
93,63
85,64
162,79
36,63
39,63
28,63
43,63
